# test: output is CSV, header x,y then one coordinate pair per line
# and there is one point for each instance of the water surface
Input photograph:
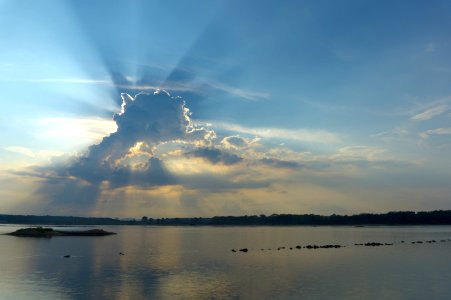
x,y
197,263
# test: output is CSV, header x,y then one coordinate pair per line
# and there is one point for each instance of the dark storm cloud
x,y
151,173
215,156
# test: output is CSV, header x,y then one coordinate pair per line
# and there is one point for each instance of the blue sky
x,y
298,107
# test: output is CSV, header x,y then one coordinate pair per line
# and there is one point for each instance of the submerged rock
x,y
373,244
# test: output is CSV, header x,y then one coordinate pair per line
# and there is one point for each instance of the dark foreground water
x,y
197,263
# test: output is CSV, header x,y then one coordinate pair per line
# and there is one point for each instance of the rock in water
x,y
49,232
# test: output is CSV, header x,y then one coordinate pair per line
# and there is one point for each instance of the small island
x,y
50,232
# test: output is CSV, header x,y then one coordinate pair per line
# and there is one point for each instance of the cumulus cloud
x,y
126,156
157,148
155,133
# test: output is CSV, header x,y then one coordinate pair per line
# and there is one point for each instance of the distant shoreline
x,y
437,217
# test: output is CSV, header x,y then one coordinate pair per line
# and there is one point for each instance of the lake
x,y
197,263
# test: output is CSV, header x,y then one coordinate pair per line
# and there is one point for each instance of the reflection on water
x,y
196,263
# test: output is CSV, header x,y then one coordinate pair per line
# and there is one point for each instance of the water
x,y
197,263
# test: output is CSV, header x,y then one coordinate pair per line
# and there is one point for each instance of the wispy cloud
x,y
181,86
197,87
436,131
79,128
358,152
397,134
242,93
300,135
59,80
430,113
41,154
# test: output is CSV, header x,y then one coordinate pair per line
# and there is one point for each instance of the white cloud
x,y
430,113
300,135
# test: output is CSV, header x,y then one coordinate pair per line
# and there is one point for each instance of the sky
x,y
203,108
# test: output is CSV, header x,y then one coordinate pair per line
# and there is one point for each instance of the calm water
x,y
197,263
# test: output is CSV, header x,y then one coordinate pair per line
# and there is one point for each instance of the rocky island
x,y
49,232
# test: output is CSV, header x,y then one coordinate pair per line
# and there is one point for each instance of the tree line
x,y
437,217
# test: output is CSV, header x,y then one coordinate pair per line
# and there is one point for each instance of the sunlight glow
x,y
79,131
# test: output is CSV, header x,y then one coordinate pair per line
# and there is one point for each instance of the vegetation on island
x,y
49,232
